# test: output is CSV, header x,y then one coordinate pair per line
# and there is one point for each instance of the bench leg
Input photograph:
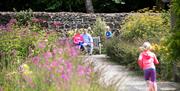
x,y
100,49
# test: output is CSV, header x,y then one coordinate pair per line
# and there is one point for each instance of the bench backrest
x,y
96,41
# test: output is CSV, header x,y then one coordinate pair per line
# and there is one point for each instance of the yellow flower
x,y
27,72
25,67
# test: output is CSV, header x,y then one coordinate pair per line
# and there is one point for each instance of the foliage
x,y
76,5
99,28
118,1
23,17
32,58
174,40
144,26
136,29
56,67
14,46
122,52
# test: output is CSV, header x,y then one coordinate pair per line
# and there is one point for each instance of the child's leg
x,y
153,79
147,78
155,86
150,86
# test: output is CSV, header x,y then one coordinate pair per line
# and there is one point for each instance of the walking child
x,y
147,61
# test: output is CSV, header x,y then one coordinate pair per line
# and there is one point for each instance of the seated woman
x,y
78,40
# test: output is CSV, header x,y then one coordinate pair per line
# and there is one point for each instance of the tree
x,y
89,6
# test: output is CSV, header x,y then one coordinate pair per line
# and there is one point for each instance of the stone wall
x,y
72,20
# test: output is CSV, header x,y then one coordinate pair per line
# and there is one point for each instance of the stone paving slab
x,y
112,74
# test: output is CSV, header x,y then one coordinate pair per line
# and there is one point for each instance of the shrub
x,y
136,29
122,52
16,42
24,16
99,28
145,26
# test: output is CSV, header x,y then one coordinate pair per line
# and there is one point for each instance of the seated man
x,y
78,40
88,42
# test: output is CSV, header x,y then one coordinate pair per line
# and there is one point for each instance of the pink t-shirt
x,y
147,59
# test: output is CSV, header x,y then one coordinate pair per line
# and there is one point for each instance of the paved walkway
x,y
112,74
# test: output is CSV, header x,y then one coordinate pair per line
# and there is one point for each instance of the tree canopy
x,y
106,6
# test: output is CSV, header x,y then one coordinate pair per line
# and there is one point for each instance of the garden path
x,y
112,74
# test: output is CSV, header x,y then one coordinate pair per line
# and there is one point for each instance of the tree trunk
x,y
89,6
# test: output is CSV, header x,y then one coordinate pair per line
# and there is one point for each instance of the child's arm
x,y
140,61
156,60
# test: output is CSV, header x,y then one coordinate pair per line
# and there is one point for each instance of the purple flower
x,y
2,27
35,20
65,77
73,52
12,21
8,27
42,20
60,60
47,55
61,69
55,51
88,70
36,60
56,23
41,45
54,63
60,51
68,66
80,70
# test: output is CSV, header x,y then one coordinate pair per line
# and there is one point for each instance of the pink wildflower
x,y
60,60
88,70
56,23
54,63
2,27
42,20
47,55
41,45
65,77
35,20
60,51
80,70
36,60
9,27
12,21
69,67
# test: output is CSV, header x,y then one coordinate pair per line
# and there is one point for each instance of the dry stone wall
x,y
72,20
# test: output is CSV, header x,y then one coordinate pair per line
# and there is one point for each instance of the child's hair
x,y
146,46
107,27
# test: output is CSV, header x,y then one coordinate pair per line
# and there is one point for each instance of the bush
x,y
136,29
24,16
121,52
16,42
99,28
145,26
